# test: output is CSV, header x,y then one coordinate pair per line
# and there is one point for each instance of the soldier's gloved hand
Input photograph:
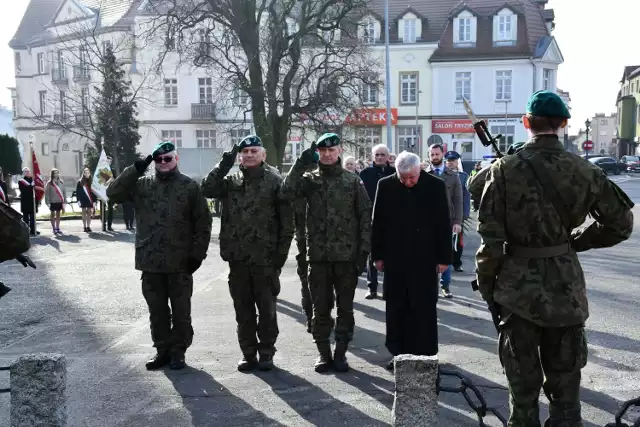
x,y
142,165
25,261
229,157
279,260
193,265
362,262
310,155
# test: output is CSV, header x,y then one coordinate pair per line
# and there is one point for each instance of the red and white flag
x,y
3,196
37,179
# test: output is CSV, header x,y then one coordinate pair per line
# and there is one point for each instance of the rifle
x,y
482,130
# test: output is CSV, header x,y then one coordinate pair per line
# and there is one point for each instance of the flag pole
x,y
33,188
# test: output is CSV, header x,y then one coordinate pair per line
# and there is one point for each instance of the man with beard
x,y
370,176
411,243
338,220
173,233
255,235
454,202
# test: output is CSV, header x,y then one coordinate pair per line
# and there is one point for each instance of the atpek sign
x,y
452,126
361,117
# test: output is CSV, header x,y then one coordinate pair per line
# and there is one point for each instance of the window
x,y
170,92
368,137
169,42
205,90
507,133
206,138
237,135
369,36
603,132
547,76
463,86
60,64
240,97
14,105
604,122
63,103
41,63
370,92
504,27
503,85
409,31
106,45
408,88
45,148
43,102
205,43
86,104
17,64
408,139
174,136
464,30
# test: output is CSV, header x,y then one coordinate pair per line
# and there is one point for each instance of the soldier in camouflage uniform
x,y
527,266
255,236
476,182
300,213
338,219
173,225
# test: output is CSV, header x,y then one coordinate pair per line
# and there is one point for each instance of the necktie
x,y
439,172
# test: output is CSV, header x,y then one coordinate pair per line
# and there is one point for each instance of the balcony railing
x,y
81,73
203,111
61,118
59,76
82,119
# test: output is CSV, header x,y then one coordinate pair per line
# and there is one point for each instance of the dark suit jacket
x,y
411,224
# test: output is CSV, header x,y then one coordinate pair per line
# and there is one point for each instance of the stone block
x,y
38,386
416,402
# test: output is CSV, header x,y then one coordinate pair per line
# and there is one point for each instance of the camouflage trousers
x,y
324,279
537,357
303,271
170,327
254,286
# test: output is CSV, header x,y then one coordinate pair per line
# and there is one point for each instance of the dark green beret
x,y
515,147
328,140
163,148
250,141
544,103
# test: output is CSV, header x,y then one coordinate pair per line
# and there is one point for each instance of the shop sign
x,y
452,126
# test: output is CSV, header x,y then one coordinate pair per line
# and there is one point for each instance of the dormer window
x,y
409,31
464,29
369,35
505,28
409,27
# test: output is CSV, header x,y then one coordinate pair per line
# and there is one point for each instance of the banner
x,y
101,176
37,178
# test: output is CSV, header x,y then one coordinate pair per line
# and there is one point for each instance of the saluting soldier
x,y
338,221
528,270
173,233
255,235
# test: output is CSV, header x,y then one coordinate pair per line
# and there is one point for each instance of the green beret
x,y
515,147
328,140
163,148
250,141
544,103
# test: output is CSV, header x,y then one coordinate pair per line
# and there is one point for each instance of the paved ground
x,y
84,300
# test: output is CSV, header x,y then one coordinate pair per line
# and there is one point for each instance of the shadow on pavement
x,y
211,404
45,241
112,236
312,403
70,238
379,388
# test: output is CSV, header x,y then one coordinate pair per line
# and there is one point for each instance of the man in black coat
x,y
411,243
370,177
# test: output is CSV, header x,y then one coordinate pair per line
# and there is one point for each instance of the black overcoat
x,y
411,233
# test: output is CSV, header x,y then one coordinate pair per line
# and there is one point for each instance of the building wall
x,y
603,132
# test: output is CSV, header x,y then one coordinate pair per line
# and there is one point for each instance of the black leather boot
x,y
160,360
340,357
323,362
247,364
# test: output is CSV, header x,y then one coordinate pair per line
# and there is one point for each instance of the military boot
x,y
160,360
266,362
340,357
247,363
177,361
323,363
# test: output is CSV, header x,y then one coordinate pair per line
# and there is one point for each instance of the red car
x,y
632,162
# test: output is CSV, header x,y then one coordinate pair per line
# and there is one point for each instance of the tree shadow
x,y
314,404
379,388
212,404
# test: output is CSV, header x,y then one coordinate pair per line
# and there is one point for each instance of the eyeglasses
x,y
163,159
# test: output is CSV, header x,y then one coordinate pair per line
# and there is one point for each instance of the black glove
x,y
193,265
142,165
362,262
229,157
25,261
495,315
279,260
310,155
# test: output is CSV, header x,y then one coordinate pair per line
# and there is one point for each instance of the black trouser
x,y
30,219
128,213
372,276
109,214
457,253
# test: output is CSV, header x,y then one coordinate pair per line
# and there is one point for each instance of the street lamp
x,y
416,140
587,124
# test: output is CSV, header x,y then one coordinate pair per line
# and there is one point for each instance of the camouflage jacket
x,y
549,291
14,233
338,212
256,222
172,219
299,217
476,182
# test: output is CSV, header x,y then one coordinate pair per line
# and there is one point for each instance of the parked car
x,y
609,165
632,162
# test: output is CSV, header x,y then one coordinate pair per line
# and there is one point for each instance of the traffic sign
x,y
587,145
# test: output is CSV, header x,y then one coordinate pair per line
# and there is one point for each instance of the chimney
x,y
542,3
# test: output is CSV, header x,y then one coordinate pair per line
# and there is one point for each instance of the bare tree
x,y
76,66
299,62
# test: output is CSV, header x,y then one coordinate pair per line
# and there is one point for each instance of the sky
x,y
597,39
